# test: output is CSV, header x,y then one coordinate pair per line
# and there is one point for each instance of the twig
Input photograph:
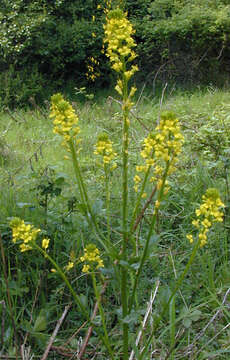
x,y
221,51
75,334
34,155
25,353
83,348
213,338
139,98
149,309
62,351
110,99
158,71
202,57
161,102
60,321
201,333
139,120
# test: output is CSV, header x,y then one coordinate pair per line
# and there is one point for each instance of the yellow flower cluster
x,y
207,214
118,35
167,140
65,120
69,266
26,233
161,149
92,73
104,147
92,258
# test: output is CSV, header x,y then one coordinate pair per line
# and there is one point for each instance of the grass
x,y
32,159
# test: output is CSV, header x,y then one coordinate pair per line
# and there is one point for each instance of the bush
x,y
189,41
17,88
182,40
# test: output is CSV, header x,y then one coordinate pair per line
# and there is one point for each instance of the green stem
x,y
107,190
106,338
124,292
172,320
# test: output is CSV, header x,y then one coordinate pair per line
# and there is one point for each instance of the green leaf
x,y
195,315
132,318
40,323
83,299
187,322
16,289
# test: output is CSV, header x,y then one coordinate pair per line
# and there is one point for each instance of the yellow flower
x,y
104,147
118,36
85,268
137,179
45,243
69,266
23,247
207,214
161,149
23,232
92,69
92,258
64,118
190,238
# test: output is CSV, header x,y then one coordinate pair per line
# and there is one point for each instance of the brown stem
x,y
83,348
141,215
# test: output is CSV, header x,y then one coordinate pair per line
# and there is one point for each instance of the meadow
x,y
39,186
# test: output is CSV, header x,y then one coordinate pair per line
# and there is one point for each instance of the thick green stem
x,y
125,143
172,320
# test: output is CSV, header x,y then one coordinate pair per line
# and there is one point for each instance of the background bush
x,y
50,42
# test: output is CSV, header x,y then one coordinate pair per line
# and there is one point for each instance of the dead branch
x,y
60,321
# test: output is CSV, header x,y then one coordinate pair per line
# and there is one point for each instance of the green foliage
x,y
45,43
190,40
17,89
